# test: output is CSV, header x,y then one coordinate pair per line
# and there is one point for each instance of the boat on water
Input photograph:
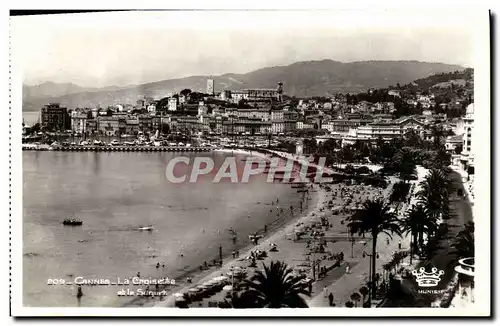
x,y
145,228
72,222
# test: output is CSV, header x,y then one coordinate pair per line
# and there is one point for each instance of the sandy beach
x,y
287,250
327,207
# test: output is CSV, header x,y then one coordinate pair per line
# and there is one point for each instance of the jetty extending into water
x,y
91,148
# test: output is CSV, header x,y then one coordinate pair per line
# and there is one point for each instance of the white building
x,y
453,142
202,109
225,95
394,93
210,86
78,122
238,95
467,153
464,296
172,104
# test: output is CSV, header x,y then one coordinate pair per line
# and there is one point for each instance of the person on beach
x,y
265,228
158,265
399,244
79,293
325,292
330,299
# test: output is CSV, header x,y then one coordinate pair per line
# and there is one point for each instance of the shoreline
x,y
274,233
277,236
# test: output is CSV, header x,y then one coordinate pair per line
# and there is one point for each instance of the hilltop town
x,y
436,106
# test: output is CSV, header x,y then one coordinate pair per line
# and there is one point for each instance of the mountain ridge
x,y
301,79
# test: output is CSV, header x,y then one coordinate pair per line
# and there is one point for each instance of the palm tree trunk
x,y
413,245
421,237
374,260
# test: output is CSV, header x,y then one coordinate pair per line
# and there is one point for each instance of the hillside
x,y
301,79
445,79
51,89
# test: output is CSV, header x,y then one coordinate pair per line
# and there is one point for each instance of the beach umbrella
x,y
227,288
208,284
216,282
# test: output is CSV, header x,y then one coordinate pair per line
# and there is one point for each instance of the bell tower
x,y
280,92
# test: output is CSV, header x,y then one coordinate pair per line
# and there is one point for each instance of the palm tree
x,y
374,218
404,164
417,222
434,193
463,246
275,287
412,139
437,134
355,297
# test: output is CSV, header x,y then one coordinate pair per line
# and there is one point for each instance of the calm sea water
x,y
30,117
114,193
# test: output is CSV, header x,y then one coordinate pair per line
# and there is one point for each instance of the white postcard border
x,y
481,211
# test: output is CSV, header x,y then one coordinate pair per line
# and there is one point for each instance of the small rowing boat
x,y
72,222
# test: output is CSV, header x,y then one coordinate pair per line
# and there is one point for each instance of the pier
x,y
118,148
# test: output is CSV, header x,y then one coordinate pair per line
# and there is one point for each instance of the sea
x,y
114,194
31,117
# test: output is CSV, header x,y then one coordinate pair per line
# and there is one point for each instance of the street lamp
x,y
372,286
352,240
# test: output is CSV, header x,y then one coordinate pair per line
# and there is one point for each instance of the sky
x,y
104,49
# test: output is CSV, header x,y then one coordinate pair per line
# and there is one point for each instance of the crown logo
x,y
427,280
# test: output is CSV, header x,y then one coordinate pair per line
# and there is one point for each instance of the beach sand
x,y
296,253
288,251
